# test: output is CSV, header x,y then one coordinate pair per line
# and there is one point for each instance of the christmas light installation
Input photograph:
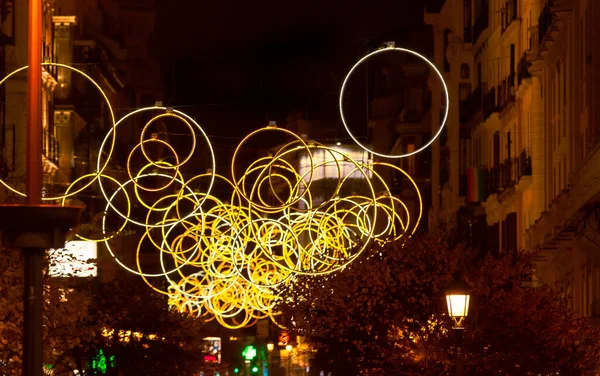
x,y
224,246
392,48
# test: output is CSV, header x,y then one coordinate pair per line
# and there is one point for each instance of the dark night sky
x,y
235,64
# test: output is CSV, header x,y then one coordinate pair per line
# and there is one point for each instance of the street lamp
x,y
458,296
270,348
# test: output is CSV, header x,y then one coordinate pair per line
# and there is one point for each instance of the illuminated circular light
x,y
223,256
292,200
100,169
168,115
341,101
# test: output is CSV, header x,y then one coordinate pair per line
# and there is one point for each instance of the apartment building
x,y
95,38
522,133
13,55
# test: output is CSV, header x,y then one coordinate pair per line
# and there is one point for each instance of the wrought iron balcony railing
x,y
545,21
506,92
508,13
523,69
50,147
509,172
481,23
490,103
471,106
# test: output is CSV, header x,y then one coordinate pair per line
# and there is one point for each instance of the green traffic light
x,y
254,369
236,370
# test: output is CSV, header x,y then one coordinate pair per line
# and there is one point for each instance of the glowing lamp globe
x,y
458,296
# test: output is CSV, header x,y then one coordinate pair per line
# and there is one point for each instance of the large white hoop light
x,y
445,92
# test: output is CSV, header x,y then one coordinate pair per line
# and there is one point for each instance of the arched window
x,y
465,71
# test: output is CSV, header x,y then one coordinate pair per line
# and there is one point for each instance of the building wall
x,y
530,126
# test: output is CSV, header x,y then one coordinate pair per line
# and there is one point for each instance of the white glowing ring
x,y
445,92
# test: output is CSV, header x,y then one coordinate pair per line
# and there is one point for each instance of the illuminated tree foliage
x,y
386,315
141,334
65,310
113,328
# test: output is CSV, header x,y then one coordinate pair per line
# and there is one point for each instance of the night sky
x,y
236,65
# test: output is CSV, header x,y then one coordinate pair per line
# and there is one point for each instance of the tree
x,y
120,327
385,314
64,311
141,334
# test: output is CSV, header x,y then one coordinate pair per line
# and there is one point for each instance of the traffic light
x,y
236,370
255,369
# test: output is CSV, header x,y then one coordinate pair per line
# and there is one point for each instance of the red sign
x,y
284,338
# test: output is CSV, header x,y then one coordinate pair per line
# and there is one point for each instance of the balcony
x,y
8,160
506,92
490,104
481,23
7,22
524,164
471,106
508,13
523,69
50,147
509,172
545,21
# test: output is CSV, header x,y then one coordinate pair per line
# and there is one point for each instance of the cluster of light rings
x,y
241,247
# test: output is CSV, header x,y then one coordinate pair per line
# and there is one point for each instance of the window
x,y
564,96
555,178
464,90
465,71
508,145
496,149
512,60
564,172
410,148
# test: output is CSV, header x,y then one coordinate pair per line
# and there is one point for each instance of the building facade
x,y
13,51
522,133
93,37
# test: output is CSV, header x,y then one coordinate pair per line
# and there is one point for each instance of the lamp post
x,y
270,348
458,298
289,349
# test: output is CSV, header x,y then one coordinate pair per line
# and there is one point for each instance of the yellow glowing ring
x,y
176,116
99,170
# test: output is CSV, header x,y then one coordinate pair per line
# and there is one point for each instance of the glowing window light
x,y
212,347
327,164
74,260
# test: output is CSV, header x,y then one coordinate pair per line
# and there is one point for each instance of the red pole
x,y
34,106
32,297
